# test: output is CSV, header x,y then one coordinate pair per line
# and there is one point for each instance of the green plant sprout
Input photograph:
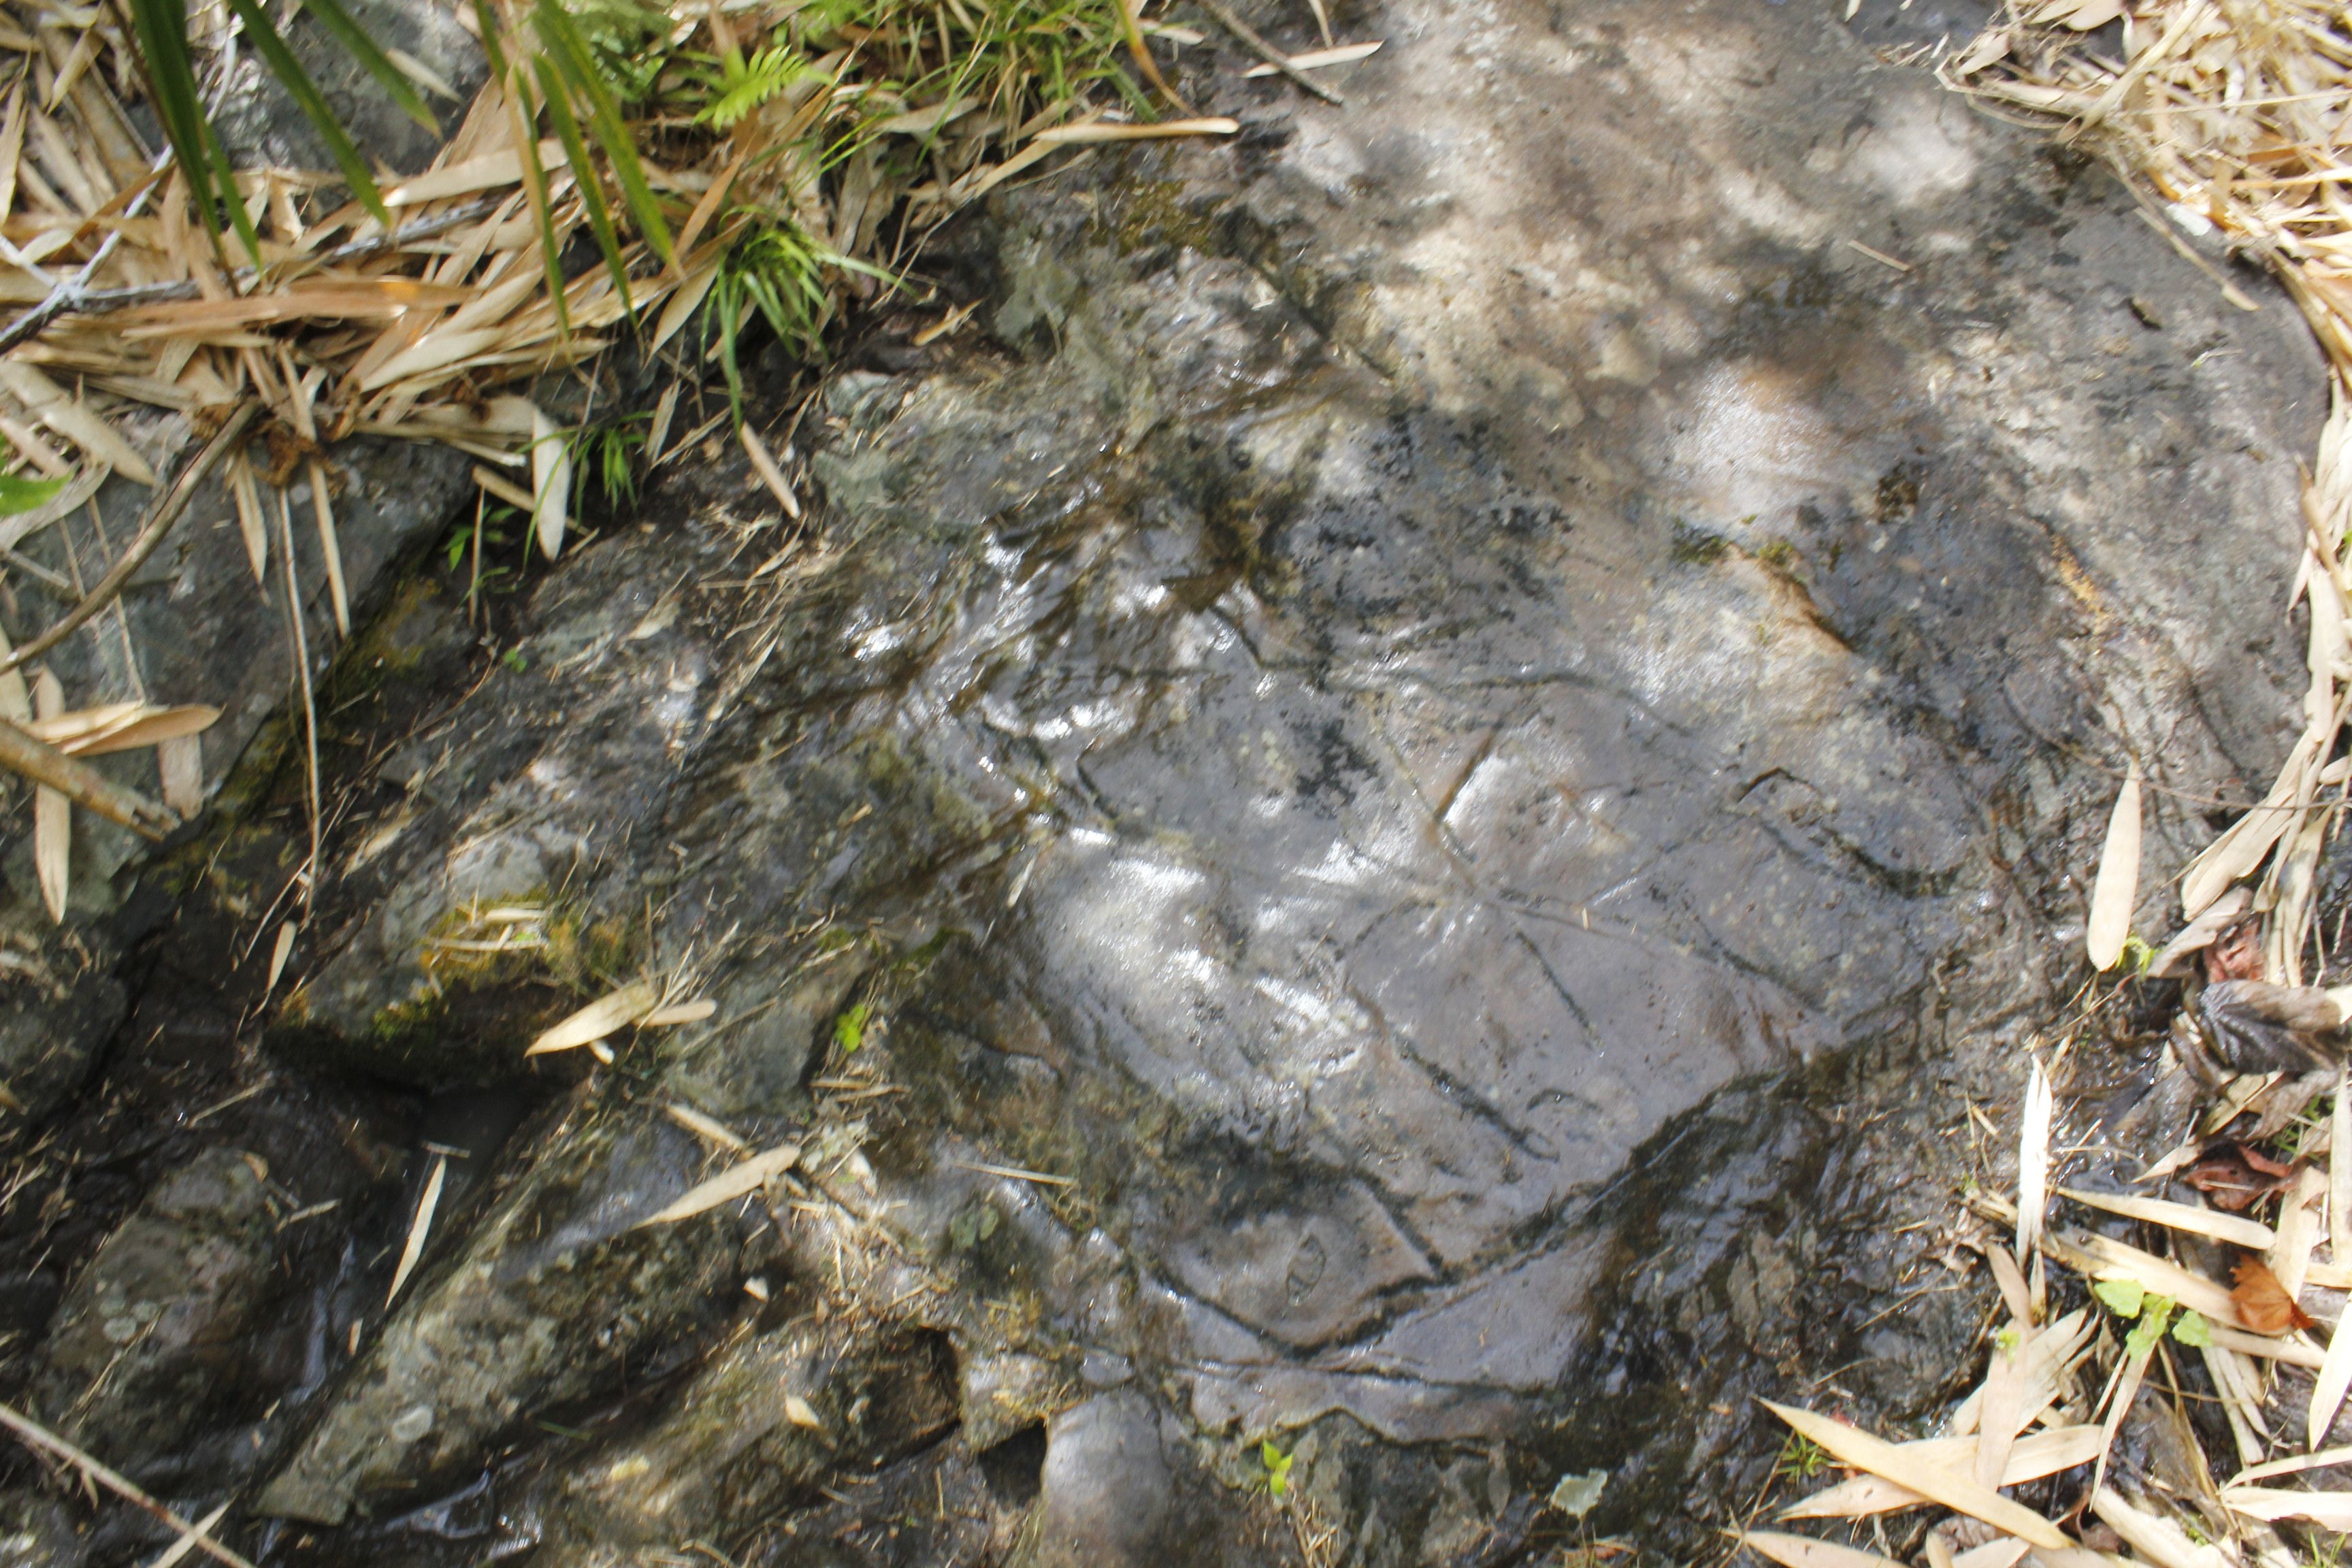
x,y
1277,1468
2150,1316
1801,1459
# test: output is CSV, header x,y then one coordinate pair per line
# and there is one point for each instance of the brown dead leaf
x,y
2267,1165
2262,1302
2229,1179
2236,953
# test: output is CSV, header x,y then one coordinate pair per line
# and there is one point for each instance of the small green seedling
x,y
1277,1468
849,1029
1801,1459
2150,1316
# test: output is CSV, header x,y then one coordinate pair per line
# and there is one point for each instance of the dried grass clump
x,y
2232,113
766,159
669,171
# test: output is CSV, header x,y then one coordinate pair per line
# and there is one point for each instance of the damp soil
x,y
1398,808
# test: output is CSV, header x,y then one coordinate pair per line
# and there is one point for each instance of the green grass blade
x,y
224,179
534,182
161,26
584,177
377,63
570,54
162,29
18,494
313,104
487,21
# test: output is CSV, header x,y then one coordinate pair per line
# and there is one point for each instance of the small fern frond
x,y
748,84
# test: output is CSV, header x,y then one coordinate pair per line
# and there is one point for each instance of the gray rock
x,y
545,1299
1108,1495
1452,733
195,628
37,1531
152,1328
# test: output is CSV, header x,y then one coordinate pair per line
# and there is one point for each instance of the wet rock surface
x,y
1401,812
155,1323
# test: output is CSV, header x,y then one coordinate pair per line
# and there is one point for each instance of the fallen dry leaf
x,y
2262,1302
2116,889
2333,1510
599,1019
1961,1494
1805,1551
2236,953
737,1181
2234,1177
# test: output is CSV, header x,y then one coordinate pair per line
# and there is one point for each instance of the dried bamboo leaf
x,y
2052,1354
601,1017
419,1227
250,524
2157,1540
1316,59
2239,1404
2102,1258
52,813
2330,1510
737,1181
1806,1551
122,727
94,435
2235,1229
15,700
2129,1376
2001,1551
683,302
281,949
658,434
436,351
2293,1352
2116,890
323,509
2200,932
707,1126
11,148
2296,1465
2298,1231
330,299
52,847
1076,136
196,1538
2002,1414
2339,1170
2241,849
2033,1161
2029,1458
763,463
551,484
1880,1457
180,760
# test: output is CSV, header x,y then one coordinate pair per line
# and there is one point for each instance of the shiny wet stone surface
x,y
1461,722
